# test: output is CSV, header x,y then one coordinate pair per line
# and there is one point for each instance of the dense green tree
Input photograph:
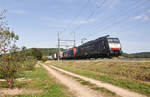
x,y
29,63
36,53
137,55
44,58
10,60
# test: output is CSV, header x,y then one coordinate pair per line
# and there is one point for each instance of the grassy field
x,y
102,90
40,80
131,74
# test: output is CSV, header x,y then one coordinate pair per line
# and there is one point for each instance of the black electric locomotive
x,y
101,47
105,47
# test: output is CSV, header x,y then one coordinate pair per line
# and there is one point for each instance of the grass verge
x,y
41,80
103,91
94,87
109,72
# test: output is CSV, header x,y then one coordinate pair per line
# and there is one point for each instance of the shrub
x,y
10,60
10,66
44,58
29,63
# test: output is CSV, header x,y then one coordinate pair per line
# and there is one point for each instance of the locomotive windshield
x,y
113,40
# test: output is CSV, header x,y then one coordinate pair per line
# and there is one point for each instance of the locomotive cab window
x,y
114,40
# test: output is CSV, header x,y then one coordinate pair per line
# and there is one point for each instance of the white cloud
x,y
84,21
62,23
137,17
17,11
54,23
149,10
92,20
143,17
111,3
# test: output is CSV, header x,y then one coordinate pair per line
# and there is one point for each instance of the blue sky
x,y
38,21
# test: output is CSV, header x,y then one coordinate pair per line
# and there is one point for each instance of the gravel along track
x,y
74,86
119,91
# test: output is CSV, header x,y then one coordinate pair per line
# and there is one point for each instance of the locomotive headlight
x,y
114,46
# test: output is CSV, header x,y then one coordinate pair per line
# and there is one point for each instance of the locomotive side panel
x,y
71,53
101,47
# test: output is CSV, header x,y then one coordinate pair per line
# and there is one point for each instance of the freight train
x,y
105,47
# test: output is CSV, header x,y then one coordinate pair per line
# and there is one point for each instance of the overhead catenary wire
x,y
90,16
112,23
112,17
92,13
125,19
76,16
134,25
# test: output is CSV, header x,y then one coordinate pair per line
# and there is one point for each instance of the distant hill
x,y
137,55
49,51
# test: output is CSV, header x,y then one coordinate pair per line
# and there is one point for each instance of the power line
x,y
76,16
91,15
112,17
60,44
131,27
111,24
116,22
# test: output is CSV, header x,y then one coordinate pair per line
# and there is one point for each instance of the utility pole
x,y
60,44
74,39
58,53
82,40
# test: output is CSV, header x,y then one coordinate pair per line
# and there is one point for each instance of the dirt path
x,y
75,87
16,91
119,91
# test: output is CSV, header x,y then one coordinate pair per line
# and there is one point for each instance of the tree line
x,y
137,55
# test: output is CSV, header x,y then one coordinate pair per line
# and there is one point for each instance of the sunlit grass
x,y
133,75
40,80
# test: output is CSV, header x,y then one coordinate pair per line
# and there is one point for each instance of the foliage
x,y
49,51
44,58
36,53
132,74
137,55
10,66
10,60
1,76
29,63
39,52
45,82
